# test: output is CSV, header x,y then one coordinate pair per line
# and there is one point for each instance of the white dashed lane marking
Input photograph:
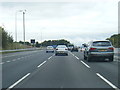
x,y
41,64
8,61
14,60
85,64
18,81
76,57
108,82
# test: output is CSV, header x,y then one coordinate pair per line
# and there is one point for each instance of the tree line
x,y
53,43
8,43
6,39
115,39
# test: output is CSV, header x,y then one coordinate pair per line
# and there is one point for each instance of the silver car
x,y
61,49
49,49
100,49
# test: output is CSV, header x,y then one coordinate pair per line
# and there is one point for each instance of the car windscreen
x,y
101,43
49,47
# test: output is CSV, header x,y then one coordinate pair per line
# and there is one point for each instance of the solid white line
x,y
113,86
18,81
85,64
77,57
41,64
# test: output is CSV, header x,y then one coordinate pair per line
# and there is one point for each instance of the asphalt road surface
x,y
38,69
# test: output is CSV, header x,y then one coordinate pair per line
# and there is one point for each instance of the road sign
x,y
32,40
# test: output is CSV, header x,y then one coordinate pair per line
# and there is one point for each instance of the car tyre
x,y
89,59
85,58
56,54
111,59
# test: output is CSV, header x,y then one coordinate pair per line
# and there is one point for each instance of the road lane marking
x,y
8,56
7,61
22,57
50,57
14,60
71,53
18,81
108,82
18,58
77,57
41,64
2,63
85,64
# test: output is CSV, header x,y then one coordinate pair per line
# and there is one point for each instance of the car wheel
x,y
46,51
89,59
56,54
111,58
66,54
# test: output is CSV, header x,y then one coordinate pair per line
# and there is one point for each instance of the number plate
x,y
102,50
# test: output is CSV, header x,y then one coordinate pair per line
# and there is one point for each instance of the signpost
x,y
33,42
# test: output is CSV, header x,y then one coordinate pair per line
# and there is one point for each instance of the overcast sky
x,y
78,22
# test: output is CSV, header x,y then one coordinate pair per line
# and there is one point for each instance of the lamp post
x,y
16,26
23,11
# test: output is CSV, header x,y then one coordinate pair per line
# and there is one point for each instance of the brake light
x,y
111,48
92,48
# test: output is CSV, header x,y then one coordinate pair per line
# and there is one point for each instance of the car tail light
x,y
92,48
111,48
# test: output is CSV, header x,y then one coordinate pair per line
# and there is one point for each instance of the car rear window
x,y
101,43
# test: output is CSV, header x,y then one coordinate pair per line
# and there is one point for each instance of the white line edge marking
x,y
41,64
77,57
18,81
108,82
85,64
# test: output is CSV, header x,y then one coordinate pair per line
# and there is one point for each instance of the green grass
x,y
15,51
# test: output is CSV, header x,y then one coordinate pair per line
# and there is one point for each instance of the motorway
x,y
38,69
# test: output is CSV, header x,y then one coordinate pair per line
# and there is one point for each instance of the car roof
x,y
99,40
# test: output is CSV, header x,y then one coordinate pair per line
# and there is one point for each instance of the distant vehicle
x,y
75,48
102,49
70,47
49,49
82,48
54,46
61,49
